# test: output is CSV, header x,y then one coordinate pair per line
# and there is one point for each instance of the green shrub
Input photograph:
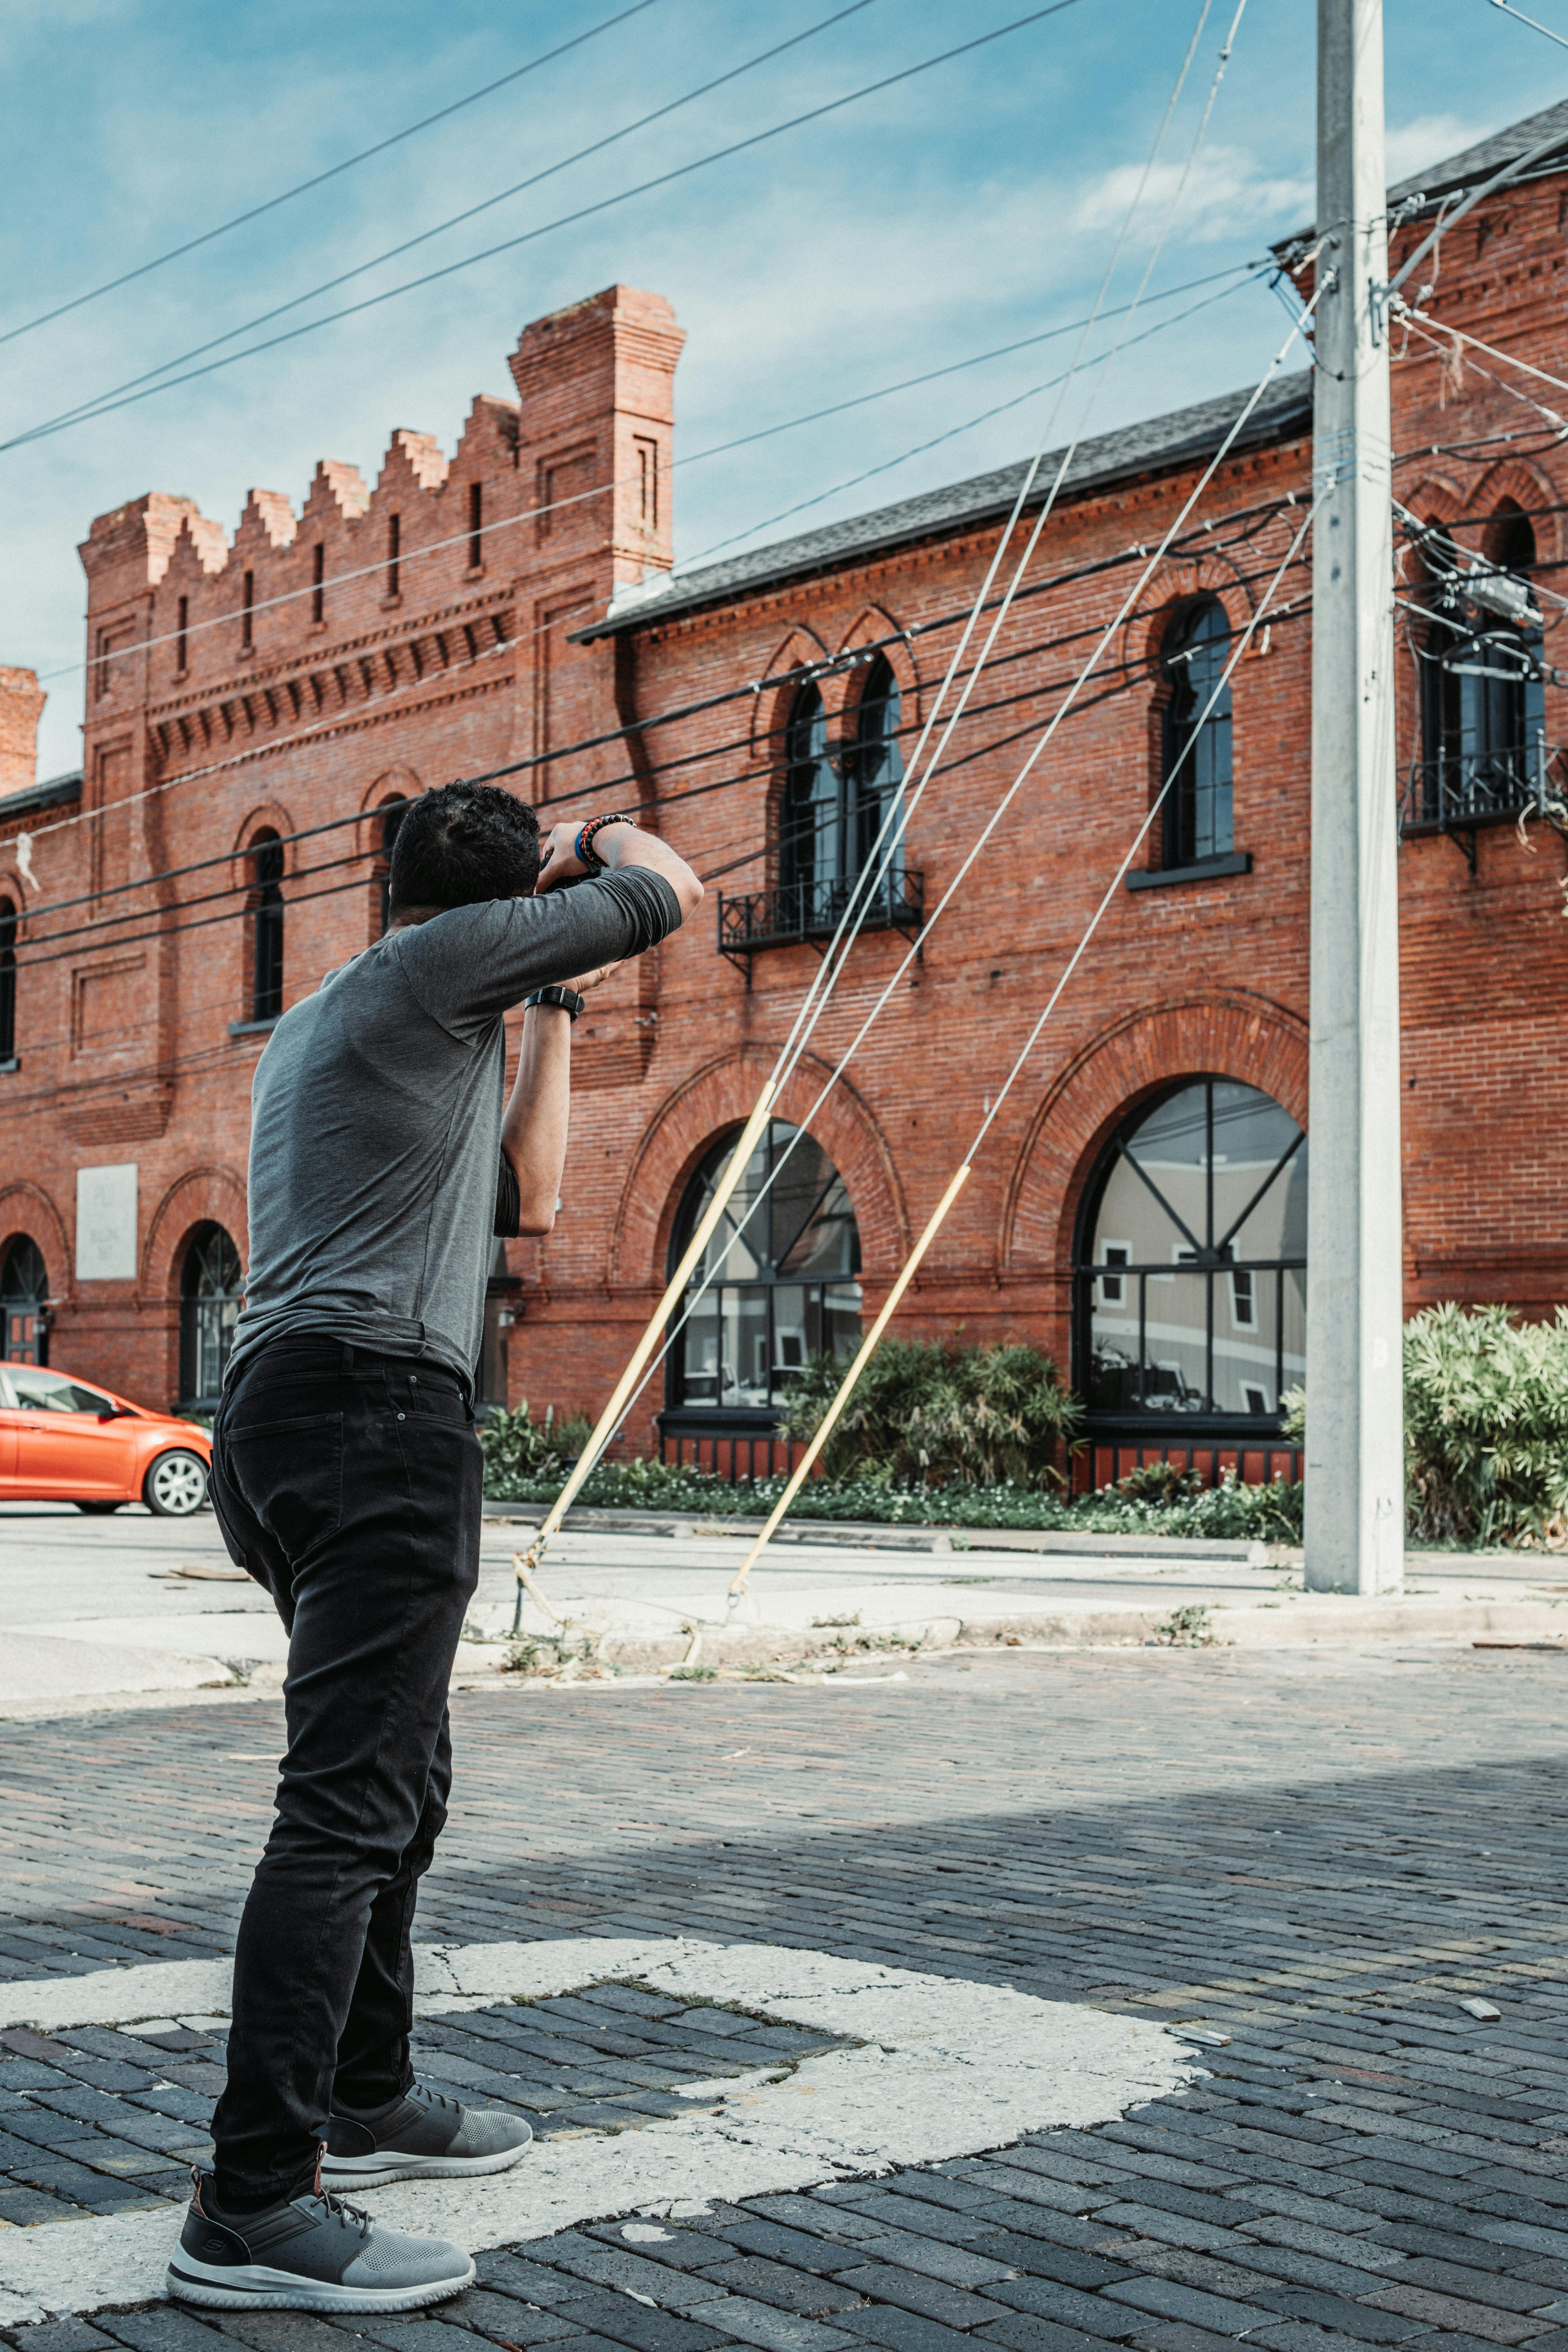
x,y
517,1448
926,1413
1486,1427
1250,1514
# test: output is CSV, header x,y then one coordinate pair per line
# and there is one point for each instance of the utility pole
x,y
1356,1442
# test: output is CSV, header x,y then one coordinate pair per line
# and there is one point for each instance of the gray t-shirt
x,y
376,1114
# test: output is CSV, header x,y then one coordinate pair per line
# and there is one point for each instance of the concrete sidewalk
x,y
111,1613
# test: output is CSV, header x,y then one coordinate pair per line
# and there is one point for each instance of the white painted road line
x,y
945,2068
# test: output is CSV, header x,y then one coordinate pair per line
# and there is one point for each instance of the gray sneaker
x,y
311,2253
419,2136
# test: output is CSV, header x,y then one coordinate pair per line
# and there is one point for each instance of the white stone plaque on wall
x,y
106,1224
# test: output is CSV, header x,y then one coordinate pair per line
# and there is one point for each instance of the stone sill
x,y
1202,869
254,1028
14,1063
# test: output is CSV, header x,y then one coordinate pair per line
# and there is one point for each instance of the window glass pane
x,y
701,1385
1250,1133
1293,1330
1132,1220
814,1225
791,1340
52,1392
749,1337
1170,1145
838,1333
1246,1311
1276,1227
1175,1343
1113,1382
743,1216
743,1346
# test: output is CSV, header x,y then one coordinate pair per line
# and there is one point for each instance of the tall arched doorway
x,y
786,1289
24,1296
210,1284
1190,1279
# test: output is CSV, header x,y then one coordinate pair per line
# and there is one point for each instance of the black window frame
x,y
1196,739
391,813
1133,1420
208,1313
24,1296
1481,687
266,919
683,1412
10,921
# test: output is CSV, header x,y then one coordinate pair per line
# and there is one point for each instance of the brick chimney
x,y
22,700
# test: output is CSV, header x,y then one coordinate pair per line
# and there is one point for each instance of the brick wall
x,y
227,697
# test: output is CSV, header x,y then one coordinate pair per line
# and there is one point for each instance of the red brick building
x,y
256,707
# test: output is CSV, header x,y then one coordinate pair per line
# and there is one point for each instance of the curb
x,y
1295,1621
880,1536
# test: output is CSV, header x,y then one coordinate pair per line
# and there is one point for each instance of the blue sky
x,y
971,206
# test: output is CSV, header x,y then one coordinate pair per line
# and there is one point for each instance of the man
x,y
347,1479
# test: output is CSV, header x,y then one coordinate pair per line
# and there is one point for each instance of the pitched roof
x,y
53,792
1173,439
1489,155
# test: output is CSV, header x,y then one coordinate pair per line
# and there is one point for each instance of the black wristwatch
x,y
566,998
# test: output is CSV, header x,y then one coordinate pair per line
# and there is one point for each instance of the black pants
x,y
350,1485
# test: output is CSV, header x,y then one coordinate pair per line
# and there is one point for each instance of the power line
x,y
412,555
510,244
853,920
630,729
329,285
953,431
84,936
320,179
726,748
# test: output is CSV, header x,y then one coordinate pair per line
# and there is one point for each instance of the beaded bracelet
x,y
586,854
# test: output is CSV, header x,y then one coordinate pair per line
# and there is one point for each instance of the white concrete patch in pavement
x,y
944,2067
36,1668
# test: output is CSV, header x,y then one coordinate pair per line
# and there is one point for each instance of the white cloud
x,y
1429,138
1226,187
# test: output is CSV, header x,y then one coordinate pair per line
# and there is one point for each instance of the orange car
x,y
63,1441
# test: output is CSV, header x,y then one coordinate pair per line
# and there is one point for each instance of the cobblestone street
x,y
1313,1861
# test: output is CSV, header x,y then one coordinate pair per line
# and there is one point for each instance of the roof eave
x,y
1274,426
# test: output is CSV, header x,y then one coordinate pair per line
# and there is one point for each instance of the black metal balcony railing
x,y
811,911
1466,789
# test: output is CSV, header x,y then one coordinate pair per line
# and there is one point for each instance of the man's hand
x,y
558,859
588,979
620,845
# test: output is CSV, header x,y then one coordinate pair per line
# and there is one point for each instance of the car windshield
x,y
52,1392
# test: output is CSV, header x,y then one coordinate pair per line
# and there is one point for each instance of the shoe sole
x,y
251,2287
340,2172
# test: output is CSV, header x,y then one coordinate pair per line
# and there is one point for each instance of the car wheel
x,y
176,1485
98,1510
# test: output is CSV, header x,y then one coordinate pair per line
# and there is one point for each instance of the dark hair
x,y
461,844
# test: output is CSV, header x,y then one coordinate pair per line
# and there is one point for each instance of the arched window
x,y
787,1290
1191,1281
210,1283
877,769
266,921
811,841
392,815
1196,760
8,981
1483,705
23,1294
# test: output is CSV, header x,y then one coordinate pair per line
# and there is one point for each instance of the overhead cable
x,y
96,406
107,404
861,898
824,1430
412,555
320,179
